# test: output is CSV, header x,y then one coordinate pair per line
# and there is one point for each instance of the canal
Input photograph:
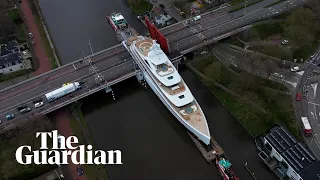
x,y
73,23
154,144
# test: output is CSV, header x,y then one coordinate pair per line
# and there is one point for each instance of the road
x,y
309,106
244,61
36,87
237,21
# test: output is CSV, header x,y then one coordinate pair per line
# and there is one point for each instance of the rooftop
x,y
9,53
294,152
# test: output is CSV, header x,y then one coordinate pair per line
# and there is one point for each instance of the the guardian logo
x,y
61,149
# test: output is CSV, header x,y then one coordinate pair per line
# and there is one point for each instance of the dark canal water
x,y
154,145
73,22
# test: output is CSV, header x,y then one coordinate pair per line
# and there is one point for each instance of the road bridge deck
x,y
117,56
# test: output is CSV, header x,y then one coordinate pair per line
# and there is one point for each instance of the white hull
x,y
156,89
205,139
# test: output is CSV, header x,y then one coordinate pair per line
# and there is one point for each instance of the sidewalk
x,y
39,51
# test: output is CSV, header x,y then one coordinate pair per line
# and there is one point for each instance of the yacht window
x,y
170,77
147,62
181,97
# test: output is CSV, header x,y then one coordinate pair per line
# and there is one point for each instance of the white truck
x,y
64,90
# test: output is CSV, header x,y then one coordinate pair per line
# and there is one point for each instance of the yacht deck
x,y
144,46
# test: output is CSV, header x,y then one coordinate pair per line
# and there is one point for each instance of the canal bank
x,y
155,145
79,21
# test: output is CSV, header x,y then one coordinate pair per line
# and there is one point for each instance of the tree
x,y
302,17
300,35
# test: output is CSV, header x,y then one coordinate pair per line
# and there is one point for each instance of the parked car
x,y
285,42
298,96
277,75
9,116
295,68
0,121
30,35
79,170
38,104
313,55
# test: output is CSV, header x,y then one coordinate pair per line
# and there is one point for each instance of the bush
x,y
267,29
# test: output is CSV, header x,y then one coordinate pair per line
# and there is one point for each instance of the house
x,y
286,157
11,58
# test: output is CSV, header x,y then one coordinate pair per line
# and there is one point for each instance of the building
x,y
286,157
12,59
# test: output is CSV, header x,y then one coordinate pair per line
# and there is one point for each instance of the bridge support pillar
x,y
108,89
140,78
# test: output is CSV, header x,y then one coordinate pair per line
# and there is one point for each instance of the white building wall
x,y
12,68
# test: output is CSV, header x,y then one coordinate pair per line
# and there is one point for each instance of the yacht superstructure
x,y
166,82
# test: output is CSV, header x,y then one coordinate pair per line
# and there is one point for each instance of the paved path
x,y
39,50
62,120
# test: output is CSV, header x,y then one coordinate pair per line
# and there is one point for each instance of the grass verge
x,y
80,129
141,7
272,4
10,169
242,6
6,77
46,43
279,109
22,33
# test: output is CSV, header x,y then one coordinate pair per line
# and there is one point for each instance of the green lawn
x,y
278,107
6,77
80,129
139,8
22,33
13,14
10,141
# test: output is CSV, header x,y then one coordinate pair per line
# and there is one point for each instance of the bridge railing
x,y
57,69
214,39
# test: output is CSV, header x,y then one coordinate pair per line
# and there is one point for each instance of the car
x,y
0,121
313,55
22,107
285,42
277,75
294,68
24,53
38,104
25,110
33,43
9,116
298,96
197,18
30,35
79,170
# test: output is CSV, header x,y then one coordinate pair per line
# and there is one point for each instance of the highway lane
x,y
249,18
89,87
51,75
191,29
29,95
180,26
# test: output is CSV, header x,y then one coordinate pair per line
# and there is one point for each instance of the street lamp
x,y
245,7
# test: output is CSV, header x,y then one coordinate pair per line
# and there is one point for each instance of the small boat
x,y
225,168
